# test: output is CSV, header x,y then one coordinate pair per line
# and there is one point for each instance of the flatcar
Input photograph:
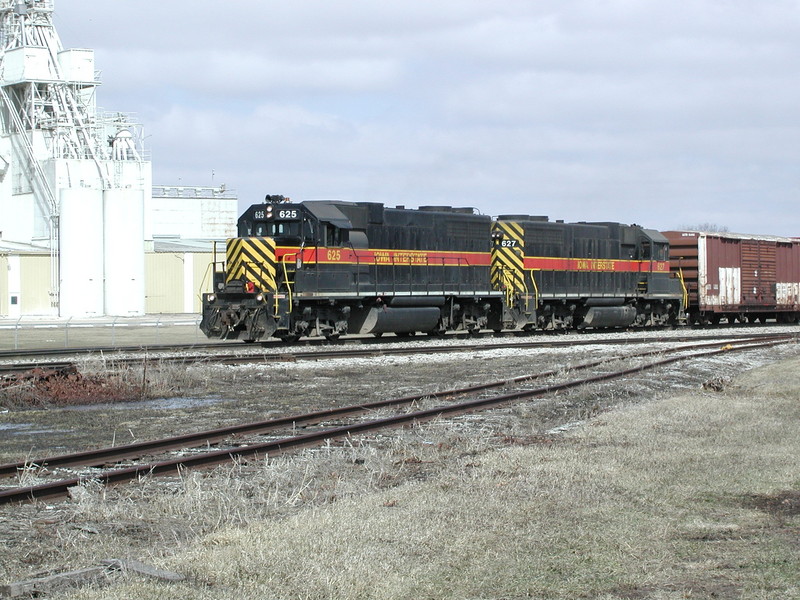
x,y
737,277
329,268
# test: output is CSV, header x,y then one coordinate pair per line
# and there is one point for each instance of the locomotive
x,y
330,267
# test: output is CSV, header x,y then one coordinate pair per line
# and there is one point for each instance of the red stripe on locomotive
x,y
348,256
594,265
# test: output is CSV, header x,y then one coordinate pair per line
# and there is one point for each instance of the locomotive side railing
x,y
286,281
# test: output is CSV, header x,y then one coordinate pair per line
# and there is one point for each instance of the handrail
x,y
535,291
684,288
203,280
286,281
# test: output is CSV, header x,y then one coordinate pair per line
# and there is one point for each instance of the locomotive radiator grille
x,y
508,252
252,259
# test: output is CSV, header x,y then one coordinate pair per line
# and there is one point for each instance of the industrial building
x,y
83,231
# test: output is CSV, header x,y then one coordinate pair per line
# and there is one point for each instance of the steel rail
x,y
278,357
278,447
103,456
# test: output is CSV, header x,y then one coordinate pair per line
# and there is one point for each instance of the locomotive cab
x,y
274,263
287,224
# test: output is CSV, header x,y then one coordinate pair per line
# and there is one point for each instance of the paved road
x,y
31,333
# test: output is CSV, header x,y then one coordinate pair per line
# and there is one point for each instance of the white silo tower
x,y
70,177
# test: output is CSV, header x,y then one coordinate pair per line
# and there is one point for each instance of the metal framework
x,y
48,111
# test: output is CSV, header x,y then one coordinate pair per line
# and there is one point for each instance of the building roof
x,y
9,247
175,244
191,191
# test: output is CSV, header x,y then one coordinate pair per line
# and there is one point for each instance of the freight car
x,y
329,268
737,277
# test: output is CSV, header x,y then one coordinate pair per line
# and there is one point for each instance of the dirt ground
x,y
204,396
43,538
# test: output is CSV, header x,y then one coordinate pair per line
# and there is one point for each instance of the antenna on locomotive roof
x,y
275,199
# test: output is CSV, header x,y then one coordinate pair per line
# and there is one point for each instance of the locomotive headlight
x,y
211,297
260,298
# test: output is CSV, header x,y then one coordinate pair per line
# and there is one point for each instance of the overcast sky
x,y
666,114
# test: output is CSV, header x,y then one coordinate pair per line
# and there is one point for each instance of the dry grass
x,y
97,381
693,496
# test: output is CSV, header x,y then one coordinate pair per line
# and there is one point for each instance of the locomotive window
x,y
333,236
275,229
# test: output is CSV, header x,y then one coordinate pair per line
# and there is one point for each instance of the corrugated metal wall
x,y
202,279
163,283
174,281
35,285
3,286
758,271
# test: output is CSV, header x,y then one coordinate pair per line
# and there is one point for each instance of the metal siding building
x,y
3,284
163,283
76,190
73,179
24,280
192,212
175,279
35,284
178,272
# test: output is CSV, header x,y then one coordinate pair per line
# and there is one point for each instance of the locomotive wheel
x,y
332,337
290,338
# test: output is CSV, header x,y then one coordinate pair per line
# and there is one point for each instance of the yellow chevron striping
x,y
512,231
252,259
507,257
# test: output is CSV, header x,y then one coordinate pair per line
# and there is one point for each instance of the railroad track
x,y
373,348
103,457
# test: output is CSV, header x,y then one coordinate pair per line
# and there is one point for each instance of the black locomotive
x,y
329,268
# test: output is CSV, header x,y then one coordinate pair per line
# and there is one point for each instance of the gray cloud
x,y
645,111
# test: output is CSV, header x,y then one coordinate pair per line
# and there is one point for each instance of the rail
x,y
276,447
